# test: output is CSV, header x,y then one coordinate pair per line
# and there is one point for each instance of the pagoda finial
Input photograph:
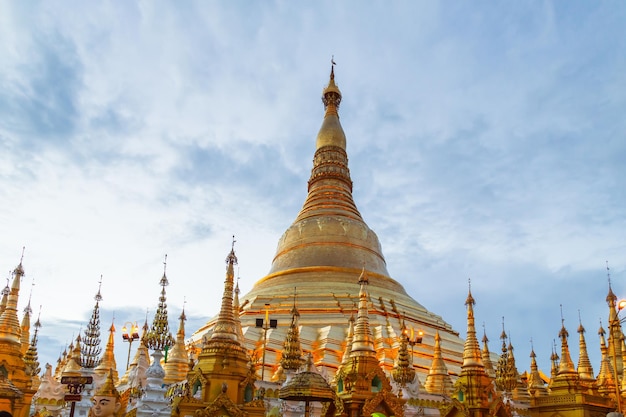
x,y
469,300
90,349
27,309
159,337
331,97
581,329
98,296
611,299
164,282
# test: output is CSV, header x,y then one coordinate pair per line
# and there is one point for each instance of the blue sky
x,y
486,141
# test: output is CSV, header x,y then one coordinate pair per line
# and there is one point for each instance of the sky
x,y
486,142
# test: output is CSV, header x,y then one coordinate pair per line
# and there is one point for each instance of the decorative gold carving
x,y
221,404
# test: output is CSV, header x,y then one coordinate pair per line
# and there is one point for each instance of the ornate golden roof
x,y
307,386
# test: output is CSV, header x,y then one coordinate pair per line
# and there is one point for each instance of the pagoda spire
x,y
438,381
90,349
566,378
614,327
72,365
292,359
331,133
177,365
10,330
159,336
486,356
363,343
223,361
237,312
225,330
25,326
107,362
471,351
403,371
605,380
585,370
62,360
330,186
5,294
349,338
520,389
623,384
536,386
473,384
31,358
566,366
363,372
554,364
506,378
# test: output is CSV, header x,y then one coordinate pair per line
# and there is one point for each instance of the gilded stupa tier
x,y
322,253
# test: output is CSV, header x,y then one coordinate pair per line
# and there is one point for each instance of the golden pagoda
x,y
473,390
568,393
177,365
107,363
322,251
222,380
16,384
362,385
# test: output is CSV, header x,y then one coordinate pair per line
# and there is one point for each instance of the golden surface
x,y
322,253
